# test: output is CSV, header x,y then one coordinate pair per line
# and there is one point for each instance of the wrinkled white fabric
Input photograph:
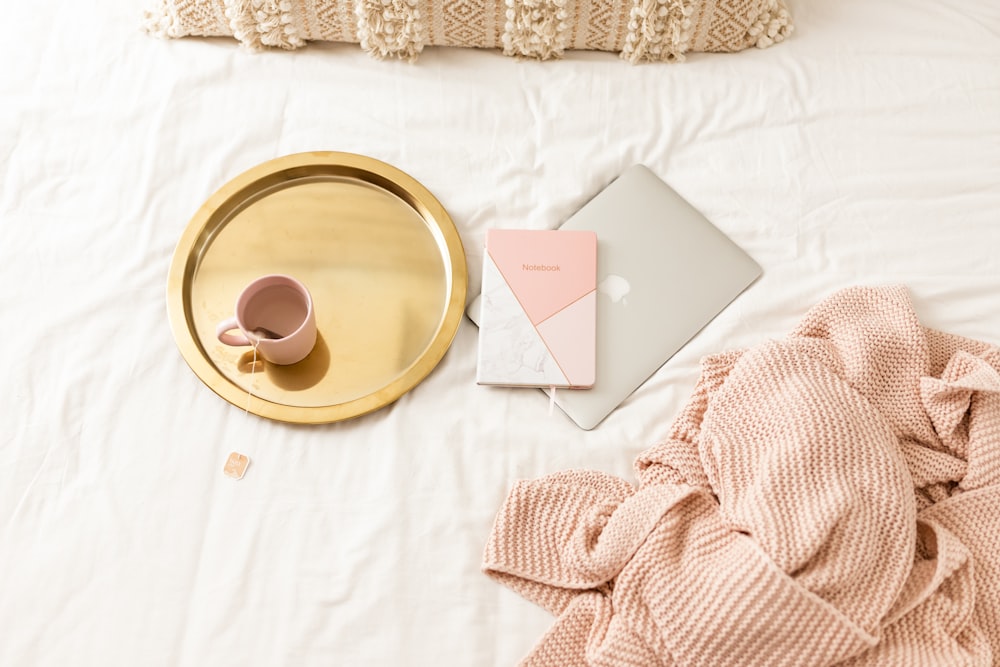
x,y
860,150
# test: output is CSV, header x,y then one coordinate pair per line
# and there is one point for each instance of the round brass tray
x,y
380,255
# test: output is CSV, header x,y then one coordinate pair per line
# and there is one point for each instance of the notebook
x,y
538,312
663,271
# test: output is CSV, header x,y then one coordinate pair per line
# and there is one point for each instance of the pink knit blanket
x,y
829,499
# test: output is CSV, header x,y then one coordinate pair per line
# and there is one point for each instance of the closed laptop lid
x,y
663,270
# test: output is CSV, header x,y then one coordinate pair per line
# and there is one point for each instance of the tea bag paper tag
x,y
236,465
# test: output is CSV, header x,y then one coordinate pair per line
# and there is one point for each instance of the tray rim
x,y
401,185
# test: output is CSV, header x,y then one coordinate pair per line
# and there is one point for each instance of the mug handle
x,y
222,332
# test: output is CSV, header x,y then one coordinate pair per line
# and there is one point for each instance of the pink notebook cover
x,y
539,309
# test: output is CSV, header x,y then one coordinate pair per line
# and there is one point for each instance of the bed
x,y
862,150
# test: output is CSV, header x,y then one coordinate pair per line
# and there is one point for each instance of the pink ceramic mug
x,y
275,313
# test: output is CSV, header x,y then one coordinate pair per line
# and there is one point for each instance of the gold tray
x,y
380,255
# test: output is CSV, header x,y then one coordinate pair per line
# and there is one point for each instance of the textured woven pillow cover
x,y
640,30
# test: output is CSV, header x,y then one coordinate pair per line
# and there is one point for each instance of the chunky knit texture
x,y
833,498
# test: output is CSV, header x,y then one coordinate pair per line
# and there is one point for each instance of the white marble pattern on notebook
x,y
510,350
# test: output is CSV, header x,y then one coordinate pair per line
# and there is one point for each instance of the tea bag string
x,y
253,371
237,463
256,336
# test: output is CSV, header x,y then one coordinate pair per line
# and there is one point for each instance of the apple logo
x,y
616,288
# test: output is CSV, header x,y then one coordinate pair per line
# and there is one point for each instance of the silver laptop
x,y
663,270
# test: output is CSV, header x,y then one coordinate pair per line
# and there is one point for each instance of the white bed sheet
x,y
864,150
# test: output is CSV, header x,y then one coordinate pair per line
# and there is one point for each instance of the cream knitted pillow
x,y
640,30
